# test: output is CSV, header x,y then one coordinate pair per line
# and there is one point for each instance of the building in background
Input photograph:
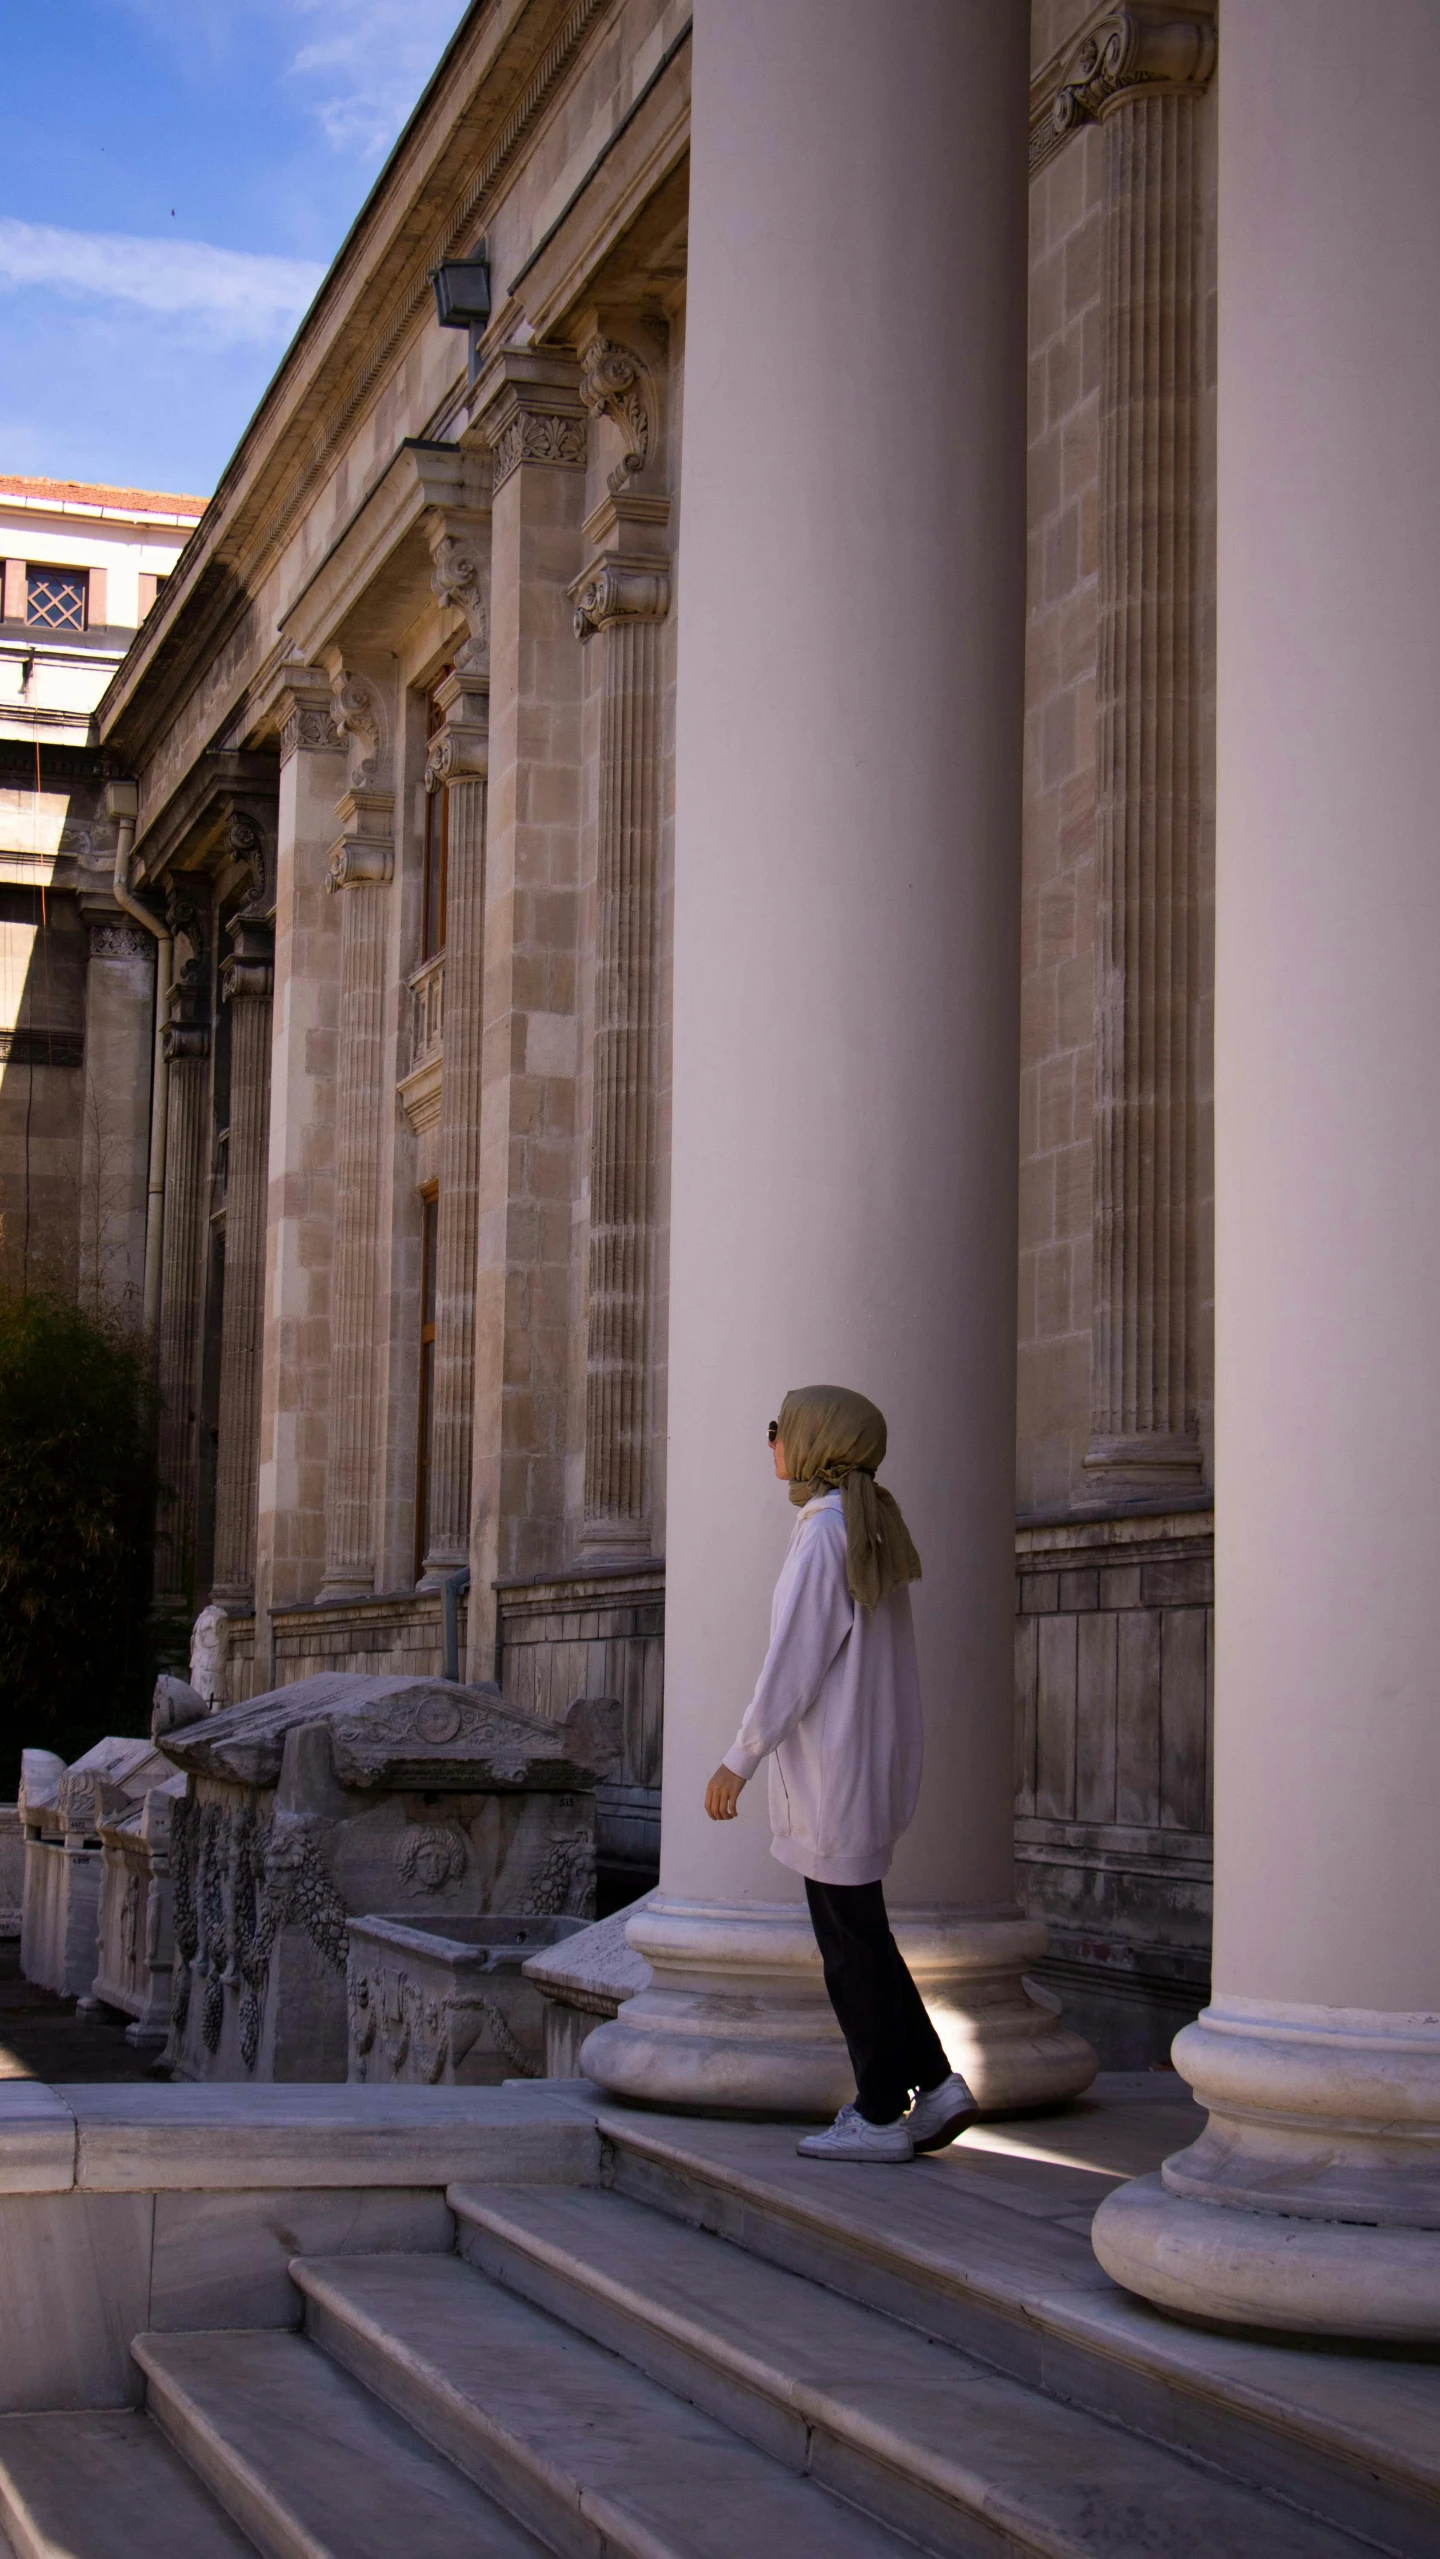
x,y
82,567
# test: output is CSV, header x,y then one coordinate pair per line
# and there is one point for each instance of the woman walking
x,y
837,1710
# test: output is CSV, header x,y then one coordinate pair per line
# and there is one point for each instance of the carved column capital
x,y
620,590
365,853
247,973
1146,48
460,751
529,410
112,938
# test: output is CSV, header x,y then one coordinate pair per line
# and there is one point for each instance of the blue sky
x,y
174,177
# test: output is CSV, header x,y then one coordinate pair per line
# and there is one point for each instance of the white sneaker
x,y
939,2114
851,2136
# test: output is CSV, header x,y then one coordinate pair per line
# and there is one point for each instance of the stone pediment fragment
x,y
390,1731
124,1762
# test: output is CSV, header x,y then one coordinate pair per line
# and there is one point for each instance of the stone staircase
x,y
724,2351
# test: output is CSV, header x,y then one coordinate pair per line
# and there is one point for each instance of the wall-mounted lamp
x,y
462,296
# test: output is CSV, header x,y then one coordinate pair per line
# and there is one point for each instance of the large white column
x,y
846,982
1312,2199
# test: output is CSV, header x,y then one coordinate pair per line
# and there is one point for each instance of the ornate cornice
x,y
620,591
1143,49
614,383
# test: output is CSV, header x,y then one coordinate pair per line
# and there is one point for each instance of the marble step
x,y
914,2432
991,2255
592,2455
103,2486
305,2461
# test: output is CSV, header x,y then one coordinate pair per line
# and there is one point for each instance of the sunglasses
x,y
773,1433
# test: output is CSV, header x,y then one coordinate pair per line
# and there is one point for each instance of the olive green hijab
x,y
834,1441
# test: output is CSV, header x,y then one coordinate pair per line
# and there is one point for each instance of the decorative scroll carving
x,y
538,435
359,715
615,384
458,579
360,862
620,591
1154,48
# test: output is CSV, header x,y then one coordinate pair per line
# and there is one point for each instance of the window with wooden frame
x,y
437,840
58,599
425,1418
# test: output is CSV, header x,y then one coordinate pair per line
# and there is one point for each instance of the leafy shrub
x,y
77,1495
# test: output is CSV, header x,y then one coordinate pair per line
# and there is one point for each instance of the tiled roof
x,y
86,493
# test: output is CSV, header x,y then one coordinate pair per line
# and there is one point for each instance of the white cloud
x,y
372,63
236,296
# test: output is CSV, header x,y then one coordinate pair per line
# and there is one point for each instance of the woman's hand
x,y
722,1795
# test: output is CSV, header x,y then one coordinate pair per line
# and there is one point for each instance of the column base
x,y
331,1593
735,2018
1147,1462
1311,2200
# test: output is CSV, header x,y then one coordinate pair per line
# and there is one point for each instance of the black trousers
x,y
893,2047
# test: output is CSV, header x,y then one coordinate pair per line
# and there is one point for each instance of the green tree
x,y
77,1500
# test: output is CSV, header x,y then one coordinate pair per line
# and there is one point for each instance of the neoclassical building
x,y
402,738
661,901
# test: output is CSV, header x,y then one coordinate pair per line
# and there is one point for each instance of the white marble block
x,y
58,1813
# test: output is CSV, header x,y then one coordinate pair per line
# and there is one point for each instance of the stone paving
x,y
43,2037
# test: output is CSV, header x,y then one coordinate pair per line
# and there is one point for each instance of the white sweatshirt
x,y
838,1703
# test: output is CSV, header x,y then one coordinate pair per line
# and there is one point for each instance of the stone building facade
x,y
394,767
81,567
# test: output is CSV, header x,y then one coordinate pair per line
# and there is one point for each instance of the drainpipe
x,y
122,799
450,1590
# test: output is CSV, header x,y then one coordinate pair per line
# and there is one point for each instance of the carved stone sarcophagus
x,y
136,1943
448,2005
342,1795
58,1813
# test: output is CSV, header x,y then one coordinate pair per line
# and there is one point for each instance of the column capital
x,y
247,972
619,589
114,937
364,856
528,409
1143,49
460,752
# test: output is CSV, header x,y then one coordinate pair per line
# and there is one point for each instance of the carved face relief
x,y
431,1856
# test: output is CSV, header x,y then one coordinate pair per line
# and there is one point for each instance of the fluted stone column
x,y
300,1211
186,1235
1143,74
247,982
1312,2199
114,1144
623,600
846,987
361,865
459,765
